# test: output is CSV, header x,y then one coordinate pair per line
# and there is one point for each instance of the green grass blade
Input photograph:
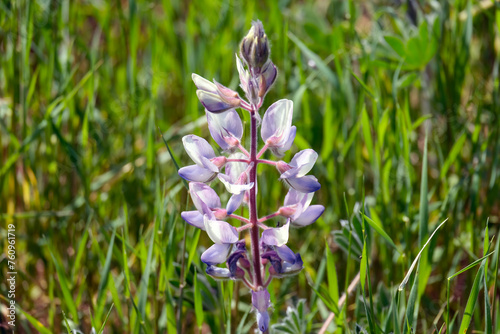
x,y
407,277
471,301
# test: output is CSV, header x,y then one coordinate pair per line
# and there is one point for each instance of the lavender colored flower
x,y
215,97
207,164
297,207
294,173
268,256
261,301
226,129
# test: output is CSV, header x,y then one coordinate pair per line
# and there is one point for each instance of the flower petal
x,y
244,75
220,232
277,236
261,300
269,73
204,197
309,216
301,164
197,147
193,218
286,254
218,273
225,128
305,184
215,254
213,102
234,168
203,84
292,269
196,173
234,188
277,123
234,203
280,151
263,321
295,197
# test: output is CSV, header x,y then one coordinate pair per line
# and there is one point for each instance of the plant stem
x,y
254,231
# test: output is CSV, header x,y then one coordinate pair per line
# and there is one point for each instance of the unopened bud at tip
x,y
254,48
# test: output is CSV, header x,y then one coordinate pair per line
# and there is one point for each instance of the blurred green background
x,y
87,87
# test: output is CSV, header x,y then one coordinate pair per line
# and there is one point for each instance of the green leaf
x,y
105,272
407,277
333,286
380,230
452,157
471,302
198,304
363,267
396,44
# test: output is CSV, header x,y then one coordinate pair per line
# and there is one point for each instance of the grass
x,y
401,103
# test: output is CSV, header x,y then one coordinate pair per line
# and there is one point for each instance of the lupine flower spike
x,y
267,256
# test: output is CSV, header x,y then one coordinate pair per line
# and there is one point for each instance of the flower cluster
x,y
266,256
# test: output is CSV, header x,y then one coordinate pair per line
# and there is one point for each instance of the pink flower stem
x,y
242,149
269,162
247,283
244,227
269,279
263,219
252,203
242,219
238,160
262,226
262,151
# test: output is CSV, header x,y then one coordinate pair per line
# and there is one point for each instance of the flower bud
x,y
254,48
220,214
219,161
287,211
282,166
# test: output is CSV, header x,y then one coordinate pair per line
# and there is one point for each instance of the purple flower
x,y
236,181
261,301
283,260
223,235
277,236
277,130
207,164
294,173
297,207
206,201
215,97
226,128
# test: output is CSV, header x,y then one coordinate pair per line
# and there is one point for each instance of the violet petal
x,y
215,254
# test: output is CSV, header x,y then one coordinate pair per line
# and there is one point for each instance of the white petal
x,y
234,203
227,124
204,84
220,232
232,187
301,163
197,147
234,169
202,194
277,236
277,123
